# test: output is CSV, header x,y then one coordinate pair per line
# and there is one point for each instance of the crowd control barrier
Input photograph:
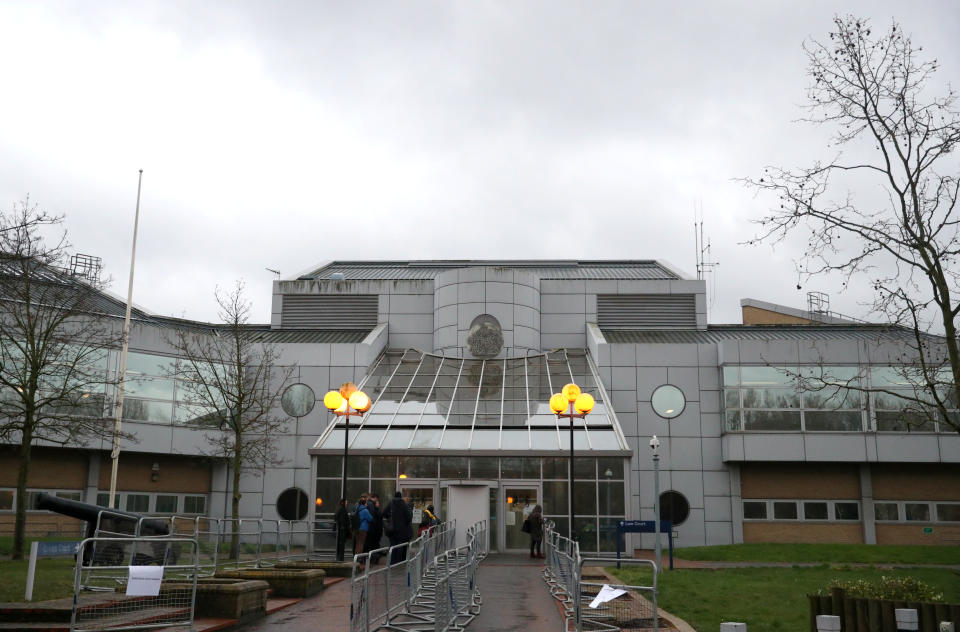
x,y
425,584
592,602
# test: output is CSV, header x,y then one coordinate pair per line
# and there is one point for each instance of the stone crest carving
x,y
485,337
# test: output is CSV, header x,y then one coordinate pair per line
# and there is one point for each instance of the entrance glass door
x,y
518,502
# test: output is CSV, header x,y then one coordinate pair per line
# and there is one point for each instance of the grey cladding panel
x,y
646,311
329,311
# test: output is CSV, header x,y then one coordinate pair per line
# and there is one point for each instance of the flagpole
x,y
115,454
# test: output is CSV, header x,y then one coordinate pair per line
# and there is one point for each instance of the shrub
x,y
899,588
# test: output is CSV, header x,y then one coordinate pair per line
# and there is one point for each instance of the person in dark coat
x,y
536,531
342,521
376,527
400,518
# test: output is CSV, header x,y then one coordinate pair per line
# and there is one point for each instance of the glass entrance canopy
x,y
427,404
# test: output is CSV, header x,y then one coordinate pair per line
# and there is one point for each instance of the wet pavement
x,y
514,595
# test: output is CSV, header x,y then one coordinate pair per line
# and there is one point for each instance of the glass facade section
x,y
426,402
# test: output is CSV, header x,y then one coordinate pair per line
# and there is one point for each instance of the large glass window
x,y
788,398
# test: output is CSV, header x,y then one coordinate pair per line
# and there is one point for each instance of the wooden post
x,y
928,617
874,618
861,609
849,615
888,617
814,611
836,603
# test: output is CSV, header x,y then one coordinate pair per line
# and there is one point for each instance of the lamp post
x,y
655,446
348,402
572,404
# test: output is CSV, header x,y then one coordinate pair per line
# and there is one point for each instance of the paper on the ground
x,y
606,594
144,581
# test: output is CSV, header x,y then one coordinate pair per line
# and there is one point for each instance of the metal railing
x,y
633,608
246,542
425,584
100,590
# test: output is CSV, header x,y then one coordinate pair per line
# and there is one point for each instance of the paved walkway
x,y
515,598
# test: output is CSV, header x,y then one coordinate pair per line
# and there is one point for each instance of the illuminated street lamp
x,y
571,403
347,402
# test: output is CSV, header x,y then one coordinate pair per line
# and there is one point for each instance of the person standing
x,y
535,520
342,521
400,518
360,536
376,527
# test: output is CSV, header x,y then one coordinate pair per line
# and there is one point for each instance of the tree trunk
x,y
20,522
235,510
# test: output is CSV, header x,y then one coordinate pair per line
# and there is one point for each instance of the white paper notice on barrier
x,y
607,593
144,581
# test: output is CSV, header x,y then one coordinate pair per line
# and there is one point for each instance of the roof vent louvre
x,y
329,311
646,311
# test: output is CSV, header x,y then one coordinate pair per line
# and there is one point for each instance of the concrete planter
x,y
283,582
243,600
332,569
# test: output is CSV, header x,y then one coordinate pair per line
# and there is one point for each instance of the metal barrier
x,y
100,601
633,609
259,542
425,584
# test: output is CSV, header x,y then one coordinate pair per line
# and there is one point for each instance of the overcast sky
x,y
282,134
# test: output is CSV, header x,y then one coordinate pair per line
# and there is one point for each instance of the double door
x,y
517,501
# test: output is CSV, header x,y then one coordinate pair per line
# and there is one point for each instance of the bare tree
x,y
233,384
893,137
54,345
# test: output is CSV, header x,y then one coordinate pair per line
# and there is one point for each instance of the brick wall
x,y
44,525
826,481
908,481
50,468
802,532
176,473
757,316
913,534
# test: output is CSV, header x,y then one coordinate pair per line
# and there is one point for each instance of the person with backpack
x,y
534,526
342,521
429,520
376,528
360,535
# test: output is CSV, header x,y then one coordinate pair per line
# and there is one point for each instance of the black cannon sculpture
x,y
113,523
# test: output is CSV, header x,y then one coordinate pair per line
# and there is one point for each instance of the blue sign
x,y
57,549
644,526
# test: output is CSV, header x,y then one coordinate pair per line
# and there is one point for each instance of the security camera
x,y
654,443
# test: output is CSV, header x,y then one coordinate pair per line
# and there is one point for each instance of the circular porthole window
x,y
292,504
674,507
298,400
668,401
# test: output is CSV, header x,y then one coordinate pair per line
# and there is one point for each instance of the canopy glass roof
x,y
424,402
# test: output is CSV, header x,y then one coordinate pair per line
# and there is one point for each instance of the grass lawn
x,y
54,579
827,553
763,598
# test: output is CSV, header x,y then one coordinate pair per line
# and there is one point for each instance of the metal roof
x,y
308,336
427,270
719,333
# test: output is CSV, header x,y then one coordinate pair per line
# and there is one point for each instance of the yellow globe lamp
x,y
584,403
571,392
558,403
348,389
333,400
359,401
